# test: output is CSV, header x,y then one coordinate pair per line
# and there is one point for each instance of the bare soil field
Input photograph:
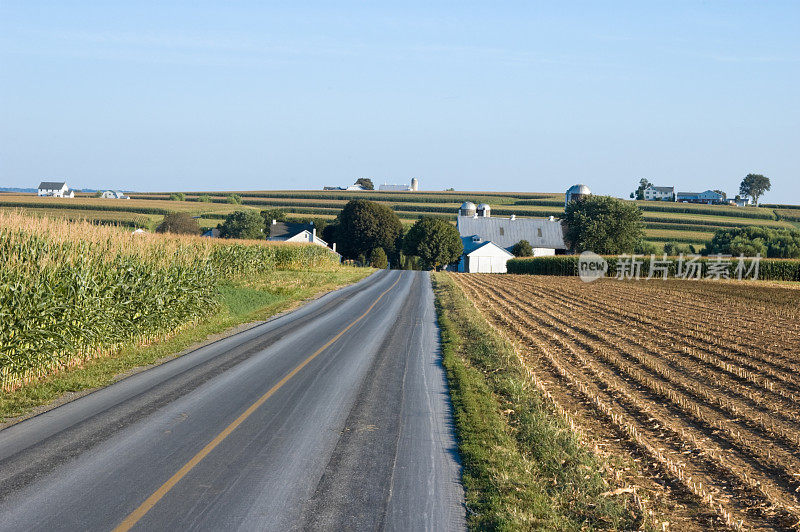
x,y
697,383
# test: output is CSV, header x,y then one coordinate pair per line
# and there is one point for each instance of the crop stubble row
x,y
709,392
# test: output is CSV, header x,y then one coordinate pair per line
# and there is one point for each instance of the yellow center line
x,y
151,501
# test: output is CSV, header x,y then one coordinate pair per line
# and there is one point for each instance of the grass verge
x,y
523,467
243,301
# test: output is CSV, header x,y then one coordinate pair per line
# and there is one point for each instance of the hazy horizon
x,y
519,97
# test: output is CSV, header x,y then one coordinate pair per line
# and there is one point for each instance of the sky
x,y
506,96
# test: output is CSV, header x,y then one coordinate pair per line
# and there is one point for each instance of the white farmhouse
x,y
56,189
488,240
654,193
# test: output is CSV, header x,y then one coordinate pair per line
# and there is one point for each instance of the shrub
x,y
378,258
204,198
179,196
180,223
772,243
522,248
234,199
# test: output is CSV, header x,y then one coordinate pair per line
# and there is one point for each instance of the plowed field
x,y
697,382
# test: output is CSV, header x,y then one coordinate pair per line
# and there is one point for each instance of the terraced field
x,y
697,382
665,222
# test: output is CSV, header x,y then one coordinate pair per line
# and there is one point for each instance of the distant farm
x,y
664,221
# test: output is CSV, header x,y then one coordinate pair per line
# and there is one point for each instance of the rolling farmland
x,y
696,381
664,222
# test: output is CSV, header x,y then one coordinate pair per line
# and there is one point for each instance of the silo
x,y
467,209
577,193
484,211
414,184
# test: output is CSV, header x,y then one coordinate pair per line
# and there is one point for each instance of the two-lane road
x,y
335,416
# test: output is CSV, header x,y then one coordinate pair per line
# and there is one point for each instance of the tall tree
x,y
365,182
639,193
435,241
754,185
364,225
604,225
242,224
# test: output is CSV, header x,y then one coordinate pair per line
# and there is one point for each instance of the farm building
x,y
56,189
294,232
114,194
413,187
709,196
478,228
576,193
654,193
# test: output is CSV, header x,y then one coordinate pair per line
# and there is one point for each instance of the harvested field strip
x,y
722,430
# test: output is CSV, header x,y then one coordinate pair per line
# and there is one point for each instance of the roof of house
x,y
52,185
699,193
285,230
662,189
506,232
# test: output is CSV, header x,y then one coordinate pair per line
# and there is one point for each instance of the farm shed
x,y
484,257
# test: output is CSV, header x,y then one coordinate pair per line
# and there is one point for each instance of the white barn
x,y
478,228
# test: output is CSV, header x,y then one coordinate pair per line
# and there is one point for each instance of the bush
x,y
204,198
179,223
673,250
180,196
377,258
242,224
522,248
234,199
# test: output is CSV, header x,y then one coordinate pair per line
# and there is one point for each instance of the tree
x,y
242,224
278,215
377,258
235,199
365,225
639,193
522,248
435,241
204,198
180,223
749,241
97,194
365,182
721,193
603,224
754,185
180,196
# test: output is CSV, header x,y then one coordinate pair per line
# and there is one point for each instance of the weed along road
x,y
335,416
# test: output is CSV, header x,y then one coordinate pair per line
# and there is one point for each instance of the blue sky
x,y
522,96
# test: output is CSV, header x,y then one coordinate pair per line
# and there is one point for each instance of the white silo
x,y
484,211
414,184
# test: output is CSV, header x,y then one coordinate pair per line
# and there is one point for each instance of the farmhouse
x,y
488,240
56,189
709,196
294,232
654,193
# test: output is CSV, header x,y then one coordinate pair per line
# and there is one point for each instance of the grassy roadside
x,y
246,300
523,467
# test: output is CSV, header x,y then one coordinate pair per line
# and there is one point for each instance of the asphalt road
x,y
335,416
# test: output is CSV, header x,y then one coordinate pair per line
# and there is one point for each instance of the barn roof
x,y
506,232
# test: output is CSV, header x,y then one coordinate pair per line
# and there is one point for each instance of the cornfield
x,y
71,291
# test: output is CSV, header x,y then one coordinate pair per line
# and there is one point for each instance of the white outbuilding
x,y
486,257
